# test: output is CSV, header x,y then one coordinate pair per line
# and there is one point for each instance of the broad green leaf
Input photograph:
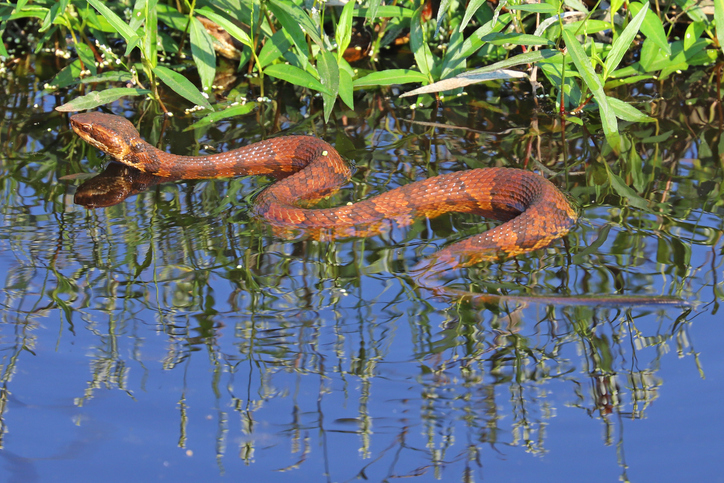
x,y
693,32
470,10
171,17
85,54
623,42
117,23
227,25
593,81
67,76
616,5
627,112
181,86
296,76
202,49
390,77
99,98
302,19
213,117
719,21
534,7
652,27
343,34
329,77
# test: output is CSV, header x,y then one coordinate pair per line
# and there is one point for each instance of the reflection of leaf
x,y
626,192
98,98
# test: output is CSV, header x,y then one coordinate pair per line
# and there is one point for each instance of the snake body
x,y
307,169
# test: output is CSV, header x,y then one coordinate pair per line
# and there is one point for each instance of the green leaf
x,y
202,49
652,27
390,77
627,112
593,81
520,59
118,25
498,38
301,18
98,98
420,48
534,7
227,25
55,11
150,39
293,29
346,88
329,76
375,9
296,76
693,32
85,54
181,86
470,10
623,42
719,21
213,117
343,34
384,11
274,48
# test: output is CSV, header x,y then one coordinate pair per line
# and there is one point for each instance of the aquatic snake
x,y
307,169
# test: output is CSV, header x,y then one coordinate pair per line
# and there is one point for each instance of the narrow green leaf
x,y
202,49
627,112
374,10
497,38
116,22
346,88
520,59
181,86
693,32
99,98
470,10
150,39
420,48
274,48
719,21
343,34
293,28
652,27
384,11
593,81
442,9
296,76
623,42
329,76
302,19
55,11
390,77
534,7
227,25
213,117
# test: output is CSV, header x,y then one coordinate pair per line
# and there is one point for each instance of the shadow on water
x,y
174,331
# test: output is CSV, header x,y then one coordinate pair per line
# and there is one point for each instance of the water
x,y
172,337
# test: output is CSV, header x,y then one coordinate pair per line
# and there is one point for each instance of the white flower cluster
x,y
107,55
194,109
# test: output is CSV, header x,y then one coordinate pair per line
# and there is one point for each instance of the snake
x,y
307,169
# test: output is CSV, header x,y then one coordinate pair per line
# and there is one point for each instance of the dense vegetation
x,y
580,49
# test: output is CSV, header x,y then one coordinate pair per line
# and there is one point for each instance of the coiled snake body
x,y
307,169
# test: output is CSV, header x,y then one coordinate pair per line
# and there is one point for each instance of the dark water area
x,y
173,337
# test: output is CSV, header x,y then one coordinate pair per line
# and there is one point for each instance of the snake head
x,y
112,134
